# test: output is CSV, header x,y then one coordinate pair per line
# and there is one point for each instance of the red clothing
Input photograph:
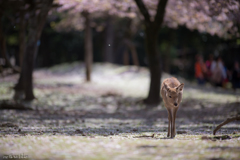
x,y
198,70
208,64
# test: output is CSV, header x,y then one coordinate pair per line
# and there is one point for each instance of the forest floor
x,y
106,119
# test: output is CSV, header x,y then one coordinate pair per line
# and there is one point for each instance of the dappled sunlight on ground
x,y
106,118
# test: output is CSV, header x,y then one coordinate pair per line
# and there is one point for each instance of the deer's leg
x,y
174,117
169,122
172,122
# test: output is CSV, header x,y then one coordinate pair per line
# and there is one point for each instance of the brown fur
x,y
171,92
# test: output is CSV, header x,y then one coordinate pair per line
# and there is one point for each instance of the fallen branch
x,y
226,122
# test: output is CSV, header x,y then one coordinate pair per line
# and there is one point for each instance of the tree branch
x,y
143,10
160,12
225,122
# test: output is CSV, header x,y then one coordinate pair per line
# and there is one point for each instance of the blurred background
x,y
63,31
81,79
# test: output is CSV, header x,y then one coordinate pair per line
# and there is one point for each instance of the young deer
x,y
171,92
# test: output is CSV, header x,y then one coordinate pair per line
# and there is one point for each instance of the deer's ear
x,y
166,87
180,87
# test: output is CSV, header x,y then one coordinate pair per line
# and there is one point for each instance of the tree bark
x,y
154,67
19,87
133,51
134,55
151,31
88,46
28,69
36,23
128,36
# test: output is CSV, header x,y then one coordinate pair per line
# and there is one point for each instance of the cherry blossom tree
x,y
215,17
30,16
37,16
79,17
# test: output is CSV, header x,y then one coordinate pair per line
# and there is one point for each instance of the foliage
x,y
72,19
215,17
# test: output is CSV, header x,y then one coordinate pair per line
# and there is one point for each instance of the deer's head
x,y
173,94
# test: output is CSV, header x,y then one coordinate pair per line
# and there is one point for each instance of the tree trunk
x,y
154,67
88,46
129,44
19,87
36,23
134,55
128,36
28,69
151,31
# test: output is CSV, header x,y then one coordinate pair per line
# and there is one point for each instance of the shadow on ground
x,y
113,115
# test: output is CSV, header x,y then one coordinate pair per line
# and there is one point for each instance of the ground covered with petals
x,y
106,118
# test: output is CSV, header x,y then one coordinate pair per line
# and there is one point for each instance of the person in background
x,y
200,70
236,76
226,83
208,66
218,72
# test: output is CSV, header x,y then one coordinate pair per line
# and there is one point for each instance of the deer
x,y
171,92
